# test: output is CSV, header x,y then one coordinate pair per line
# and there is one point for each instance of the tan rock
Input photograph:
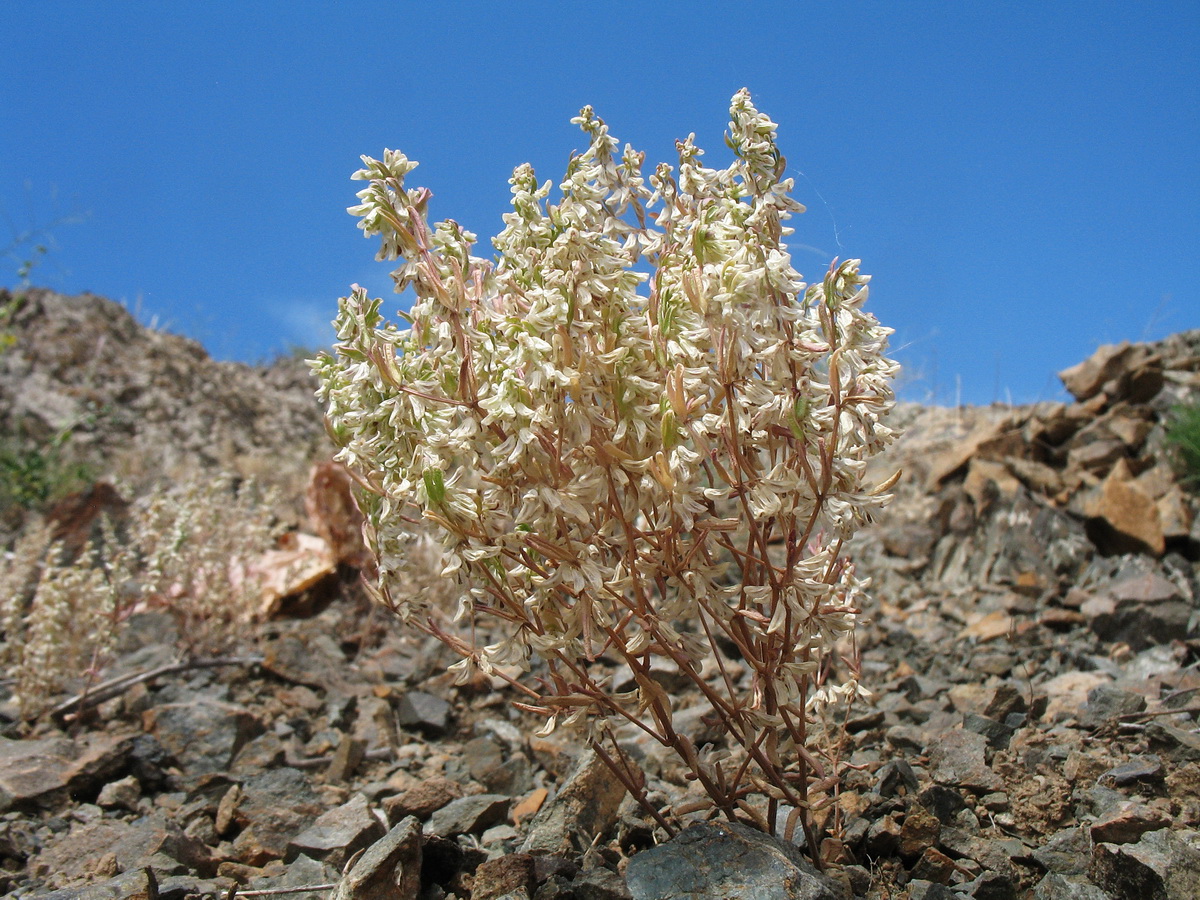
x,y
987,480
1121,370
991,440
1127,513
1176,514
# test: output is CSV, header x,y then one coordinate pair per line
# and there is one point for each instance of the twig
x,y
106,690
1133,717
267,892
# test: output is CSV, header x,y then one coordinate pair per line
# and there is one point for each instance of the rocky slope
x,y
1032,647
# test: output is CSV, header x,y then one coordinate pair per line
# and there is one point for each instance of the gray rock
x,y
709,862
505,876
338,834
424,712
600,884
42,771
274,807
584,807
1067,853
303,871
1105,703
1059,887
203,735
122,794
959,758
469,815
390,868
920,889
1175,743
1163,865
1148,768
152,841
133,885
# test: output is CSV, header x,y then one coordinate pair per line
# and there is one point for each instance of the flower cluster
x,y
637,433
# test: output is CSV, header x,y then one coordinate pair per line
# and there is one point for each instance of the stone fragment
x,y
338,834
919,832
1061,887
505,876
726,860
1122,371
942,801
997,733
425,713
600,884
274,807
584,807
469,815
921,889
1127,823
935,866
203,735
422,800
390,868
152,841
312,659
134,885
1163,865
1176,744
1106,704
992,886
42,771
346,759
959,758
1067,693
301,872
1148,768
1123,517
122,794
499,770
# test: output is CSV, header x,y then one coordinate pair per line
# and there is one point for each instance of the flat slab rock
x,y
713,862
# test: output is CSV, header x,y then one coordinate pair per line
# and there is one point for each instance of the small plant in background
x,y
32,476
1183,433
185,550
627,465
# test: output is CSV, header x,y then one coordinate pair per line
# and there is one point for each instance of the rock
x,y
295,575
346,759
500,771
152,841
726,860
122,794
1123,518
42,771
1106,704
600,884
1066,853
920,889
1059,887
918,833
1177,744
960,758
1163,865
505,876
469,815
301,872
390,868
424,712
934,866
274,807
1148,602
311,659
1121,371
338,834
422,800
584,807
75,520
135,885
1148,768
203,735
1127,823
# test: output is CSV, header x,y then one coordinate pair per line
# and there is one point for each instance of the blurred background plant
x,y
1183,433
187,550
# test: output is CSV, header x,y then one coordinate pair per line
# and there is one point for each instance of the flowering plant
x,y
625,463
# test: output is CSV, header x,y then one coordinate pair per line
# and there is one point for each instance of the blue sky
x,y
1022,179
